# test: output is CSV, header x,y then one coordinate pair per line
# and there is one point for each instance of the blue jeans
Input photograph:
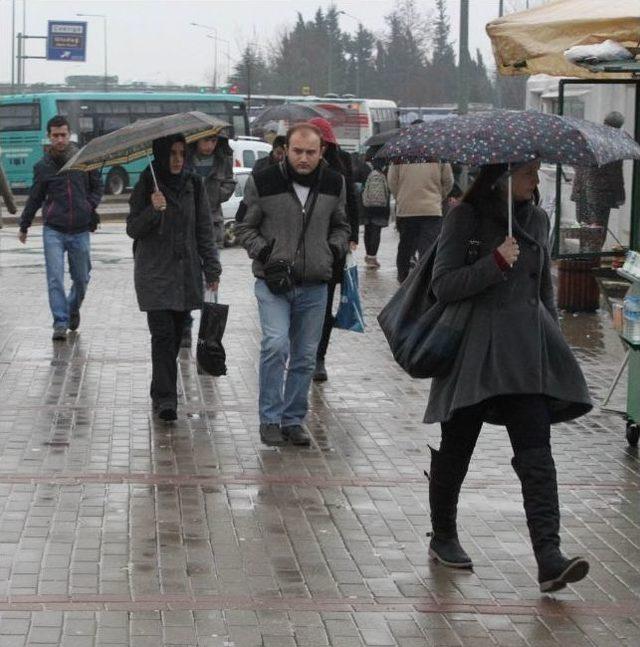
x,y
78,249
291,329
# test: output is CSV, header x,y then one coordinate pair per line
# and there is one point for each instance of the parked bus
x,y
354,120
23,124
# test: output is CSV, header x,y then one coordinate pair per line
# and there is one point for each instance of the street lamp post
x,y
104,33
215,49
360,29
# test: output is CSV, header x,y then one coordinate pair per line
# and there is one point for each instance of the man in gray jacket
x,y
293,225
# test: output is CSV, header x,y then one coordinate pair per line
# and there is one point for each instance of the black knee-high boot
x,y
537,473
445,480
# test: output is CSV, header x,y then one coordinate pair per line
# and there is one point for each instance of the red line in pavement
x,y
541,607
274,479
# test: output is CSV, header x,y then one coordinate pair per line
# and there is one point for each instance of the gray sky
x,y
151,40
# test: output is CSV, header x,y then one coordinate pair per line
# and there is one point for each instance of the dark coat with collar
x,y
512,343
173,248
269,224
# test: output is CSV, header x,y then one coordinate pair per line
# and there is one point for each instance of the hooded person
x,y
339,161
173,248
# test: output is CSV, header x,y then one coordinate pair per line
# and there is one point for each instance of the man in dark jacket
x,y
274,157
292,223
68,202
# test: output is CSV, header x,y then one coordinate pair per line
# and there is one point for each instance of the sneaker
x,y
371,262
74,320
320,373
168,414
59,334
271,434
185,340
296,434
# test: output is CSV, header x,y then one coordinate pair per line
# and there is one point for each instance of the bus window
x,y
20,116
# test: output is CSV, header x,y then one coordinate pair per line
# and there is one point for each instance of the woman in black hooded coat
x,y
174,246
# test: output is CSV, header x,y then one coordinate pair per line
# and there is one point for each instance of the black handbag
x,y
210,353
424,334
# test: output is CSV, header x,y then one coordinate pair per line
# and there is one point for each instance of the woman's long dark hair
x,y
489,187
485,187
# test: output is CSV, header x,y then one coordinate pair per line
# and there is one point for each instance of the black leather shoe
x,y
271,434
296,434
449,552
168,414
74,321
555,574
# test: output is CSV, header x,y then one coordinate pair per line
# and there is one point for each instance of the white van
x,y
246,150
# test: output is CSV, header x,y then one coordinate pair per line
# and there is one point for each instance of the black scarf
x,y
161,163
299,178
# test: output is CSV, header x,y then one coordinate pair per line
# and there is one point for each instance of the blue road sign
x,y
67,41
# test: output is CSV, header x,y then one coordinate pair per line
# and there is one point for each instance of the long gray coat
x,y
513,343
172,248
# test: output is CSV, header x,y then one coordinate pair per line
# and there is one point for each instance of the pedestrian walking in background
x,y
274,157
339,161
293,225
174,246
69,201
598,189
419,190
212,159
514,367
375,211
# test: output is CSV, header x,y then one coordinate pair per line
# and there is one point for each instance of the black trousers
x,y
166,328
528,424
371,239
417,233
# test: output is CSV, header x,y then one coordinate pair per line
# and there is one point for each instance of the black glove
x,y
265,252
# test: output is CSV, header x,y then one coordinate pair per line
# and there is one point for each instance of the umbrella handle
x,y
153,174
510,200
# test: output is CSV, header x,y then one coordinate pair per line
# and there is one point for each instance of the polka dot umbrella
x,y
508,137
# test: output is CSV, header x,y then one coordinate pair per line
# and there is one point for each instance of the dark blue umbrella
x,y
507,137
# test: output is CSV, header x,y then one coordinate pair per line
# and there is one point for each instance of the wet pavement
x,y
118,530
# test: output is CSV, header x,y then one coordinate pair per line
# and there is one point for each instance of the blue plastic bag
x,y
350,315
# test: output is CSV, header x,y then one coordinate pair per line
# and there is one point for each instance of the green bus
x,y
23,124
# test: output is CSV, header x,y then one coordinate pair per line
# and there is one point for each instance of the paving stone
x,y
118,530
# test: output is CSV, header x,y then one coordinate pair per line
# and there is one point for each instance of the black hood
x,y
161,162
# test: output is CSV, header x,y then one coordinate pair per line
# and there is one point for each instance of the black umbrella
x,y
288,112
